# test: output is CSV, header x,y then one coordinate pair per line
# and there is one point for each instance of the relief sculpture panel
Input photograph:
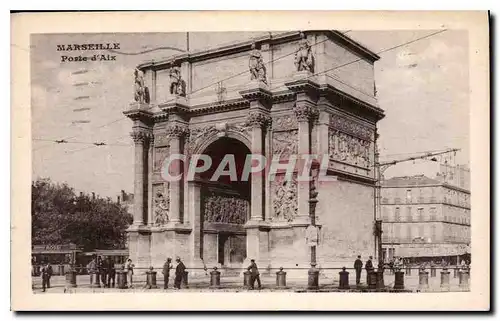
x,y
285,199
349,149
285,144
220,208
161,153
161,204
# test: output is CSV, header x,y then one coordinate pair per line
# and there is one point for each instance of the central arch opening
x,y
225,204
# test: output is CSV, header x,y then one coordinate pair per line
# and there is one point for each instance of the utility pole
x,y
380,168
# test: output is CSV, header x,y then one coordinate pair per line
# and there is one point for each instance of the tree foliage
x,y
59,216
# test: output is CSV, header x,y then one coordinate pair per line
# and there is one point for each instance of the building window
x,y
408,214
433,214
385,215
397,214
421,214
408,196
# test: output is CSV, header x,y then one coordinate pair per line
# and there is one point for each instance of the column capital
x,y
141,136
305,112
258,119
177,130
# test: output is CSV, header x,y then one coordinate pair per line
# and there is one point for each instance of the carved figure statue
x,y
162,205
141,94
177,84
285,202
304,59
256,65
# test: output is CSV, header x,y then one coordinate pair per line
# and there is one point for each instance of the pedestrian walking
x,y
358,266
111,271
254,274
179,273
129,267
166,272
369,269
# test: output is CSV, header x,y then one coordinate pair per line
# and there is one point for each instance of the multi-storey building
x,y
425,218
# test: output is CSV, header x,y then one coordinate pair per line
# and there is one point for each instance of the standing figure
x,y
304,60
46,273
166,272
369,269
177,84
141,92
129,267
358,266
92,269
254,274
110,267
101,274
256,65
179,273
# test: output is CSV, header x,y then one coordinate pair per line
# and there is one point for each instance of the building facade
x,y
275,96
427,218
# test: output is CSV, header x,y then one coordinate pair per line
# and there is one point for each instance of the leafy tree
x,y
59,216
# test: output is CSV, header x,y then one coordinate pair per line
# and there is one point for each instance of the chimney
x,y
93,195
118,199
81,194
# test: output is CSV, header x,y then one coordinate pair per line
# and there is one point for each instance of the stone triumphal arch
x,y
278,95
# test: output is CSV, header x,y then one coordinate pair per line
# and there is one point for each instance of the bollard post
x,y
95,278
313,278
71,278
445,279
151,279
455,272
281,278
185,279
121,280
344,279
463,279
399,280
433,271
246,278
408,270
215,279
423,279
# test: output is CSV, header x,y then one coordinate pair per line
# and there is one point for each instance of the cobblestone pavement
x,y
235,284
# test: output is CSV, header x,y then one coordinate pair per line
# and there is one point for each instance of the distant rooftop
x,y
416,180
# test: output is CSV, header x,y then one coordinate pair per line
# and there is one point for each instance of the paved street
x,y
235,283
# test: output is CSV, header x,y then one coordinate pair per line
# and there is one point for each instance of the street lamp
x,y
312,229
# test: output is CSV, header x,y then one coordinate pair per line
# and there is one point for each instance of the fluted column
x,y
150,179
305,112
140,140
175,133
257,119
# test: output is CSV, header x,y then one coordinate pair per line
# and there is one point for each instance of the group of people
x,y
46,272
180,272
358,267
103,270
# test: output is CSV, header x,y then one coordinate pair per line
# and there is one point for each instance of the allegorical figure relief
x,y
256,65
285,201
304,60
162,205
177,84
141,94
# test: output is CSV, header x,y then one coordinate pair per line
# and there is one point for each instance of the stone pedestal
x,y
445,279
399,280
313,278
423,280
281,278
215,278
344,279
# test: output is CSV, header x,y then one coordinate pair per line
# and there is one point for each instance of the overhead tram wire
x,y
199,89
315,74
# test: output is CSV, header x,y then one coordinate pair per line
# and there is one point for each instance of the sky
x,y
422,87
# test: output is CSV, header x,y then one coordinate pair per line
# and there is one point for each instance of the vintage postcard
x,y
201,160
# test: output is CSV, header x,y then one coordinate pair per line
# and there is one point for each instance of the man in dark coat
x,y
111,271
369,269
46,273
358,266
179,273
101,271
254,274
166,272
